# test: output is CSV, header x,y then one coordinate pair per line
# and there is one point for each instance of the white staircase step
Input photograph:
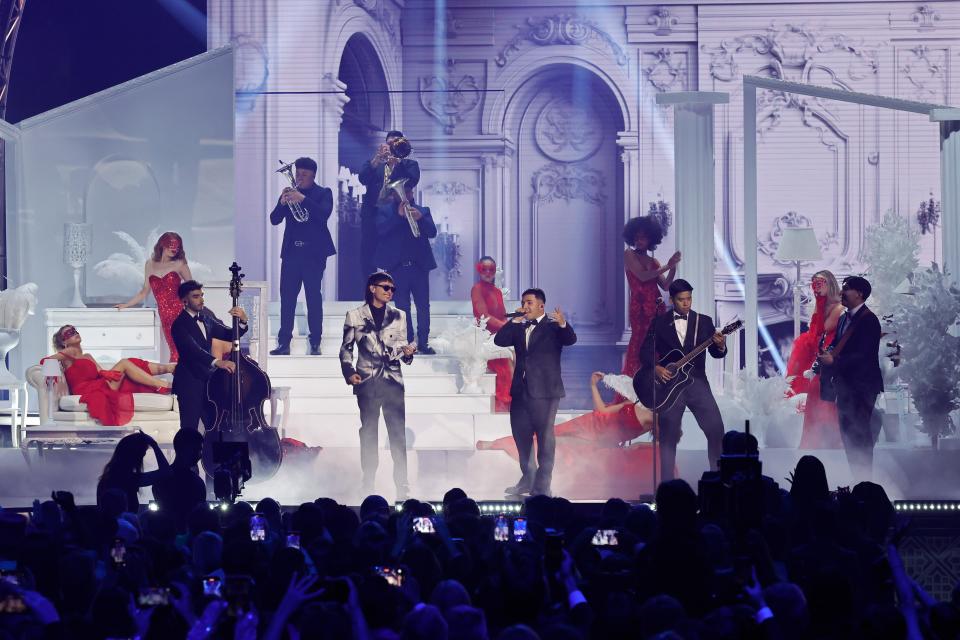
x,y
329,362
340,307
332,384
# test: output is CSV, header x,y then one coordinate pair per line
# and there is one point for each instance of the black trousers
x,y
857,428
698,397
374,396
413,281
368,241
534,417
301,269
193,405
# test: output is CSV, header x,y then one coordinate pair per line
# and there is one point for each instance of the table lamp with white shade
x,y
797,244
52,372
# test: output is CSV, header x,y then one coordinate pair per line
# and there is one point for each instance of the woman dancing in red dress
x,y
488,301
645,278
591,456
821,428
163,273
108,394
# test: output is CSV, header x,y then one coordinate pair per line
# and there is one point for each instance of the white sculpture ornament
x,y
472,345
15,305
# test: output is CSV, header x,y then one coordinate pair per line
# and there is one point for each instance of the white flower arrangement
x,y
472,345
890,253
774,419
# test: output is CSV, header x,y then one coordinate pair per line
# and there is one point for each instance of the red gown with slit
x,y
169,305
821,426
112,407
590,458
645,305
487,301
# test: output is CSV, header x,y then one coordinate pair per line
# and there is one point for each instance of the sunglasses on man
x,y
387,287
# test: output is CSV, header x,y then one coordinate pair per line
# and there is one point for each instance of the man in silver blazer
x,y
379,332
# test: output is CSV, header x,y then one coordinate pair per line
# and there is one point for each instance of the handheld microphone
x,y
516,314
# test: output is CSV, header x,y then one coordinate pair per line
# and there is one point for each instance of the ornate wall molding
x,y
450,190
566,132
663,21
251,70
668,69
385,15
790,220
449,98
924,69
562,29
558,181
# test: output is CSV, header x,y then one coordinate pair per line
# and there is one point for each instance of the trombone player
x,y
306,207
404,229
389,161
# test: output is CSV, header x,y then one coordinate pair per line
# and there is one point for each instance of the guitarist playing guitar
x,y
682,330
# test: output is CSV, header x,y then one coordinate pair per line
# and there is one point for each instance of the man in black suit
x,y
537,386
409,260
193,331
371,176
306,246
854,366
683,329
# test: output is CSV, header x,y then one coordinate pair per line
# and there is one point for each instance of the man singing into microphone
x,y
537,386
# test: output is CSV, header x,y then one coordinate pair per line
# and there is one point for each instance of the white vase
x,y
9,338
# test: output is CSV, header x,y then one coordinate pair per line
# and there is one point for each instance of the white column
x,y
950,187
632,207
694,188
328,163
750,292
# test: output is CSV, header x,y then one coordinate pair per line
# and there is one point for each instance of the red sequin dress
x,y
589,458
821,426
168,305
111,407
644,307
487,301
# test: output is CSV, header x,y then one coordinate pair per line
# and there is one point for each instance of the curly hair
x,y
58,343
646,225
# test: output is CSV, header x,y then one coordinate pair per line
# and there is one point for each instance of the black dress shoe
x,y
281,350
315,350
427,350
517,490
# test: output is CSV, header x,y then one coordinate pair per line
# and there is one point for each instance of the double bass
x,y
239,398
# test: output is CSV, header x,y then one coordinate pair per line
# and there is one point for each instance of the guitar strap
x,y
849,331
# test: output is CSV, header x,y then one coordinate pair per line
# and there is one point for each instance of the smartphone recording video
x,y
153,597
293,540
258,527
8,571
501,529
423,525
118,552
393,576
519,529
12,603
605,538
212,587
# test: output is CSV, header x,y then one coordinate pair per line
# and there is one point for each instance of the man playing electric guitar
x,y
682,330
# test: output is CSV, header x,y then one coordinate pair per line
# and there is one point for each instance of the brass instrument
x,y
299,213
400,148
398,187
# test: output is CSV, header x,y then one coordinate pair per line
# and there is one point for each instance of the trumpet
x,y
398,187
400,148
298,212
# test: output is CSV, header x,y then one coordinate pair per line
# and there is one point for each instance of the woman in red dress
x,y
108,394
645,277
591,456
163,273
488,301
821,429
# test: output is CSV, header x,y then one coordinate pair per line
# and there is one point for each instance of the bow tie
x,y
533,323
198,318
679,316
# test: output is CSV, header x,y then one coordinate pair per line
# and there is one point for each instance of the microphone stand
x,y
655,432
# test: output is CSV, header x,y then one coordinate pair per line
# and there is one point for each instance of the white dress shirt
x,y
200,324
681,327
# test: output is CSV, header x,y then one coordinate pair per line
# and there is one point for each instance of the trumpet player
x,y
372,177
305,207
408,257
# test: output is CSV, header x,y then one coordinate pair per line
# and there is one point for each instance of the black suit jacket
x,y
397,244
541,361
196,361
372,178
858,364
318,201
662,338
